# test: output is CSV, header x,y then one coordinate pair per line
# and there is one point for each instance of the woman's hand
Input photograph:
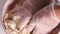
x,y
36,20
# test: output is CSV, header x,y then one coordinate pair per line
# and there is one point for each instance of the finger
x,y
44,21
30,27
56,30
25,18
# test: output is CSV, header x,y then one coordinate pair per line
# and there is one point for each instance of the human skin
x,y
44,20
57,11
29,8
9,3
29,11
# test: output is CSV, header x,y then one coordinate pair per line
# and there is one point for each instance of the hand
x,y
39,21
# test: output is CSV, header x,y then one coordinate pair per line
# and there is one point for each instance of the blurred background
x,y
2,2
